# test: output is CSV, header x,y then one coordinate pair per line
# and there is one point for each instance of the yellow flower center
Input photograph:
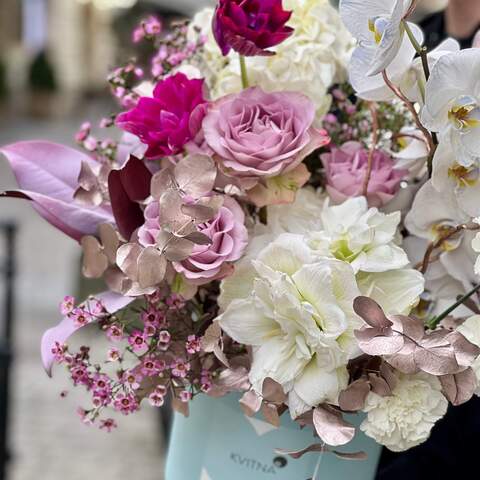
x,y
464,176
465,114
377,26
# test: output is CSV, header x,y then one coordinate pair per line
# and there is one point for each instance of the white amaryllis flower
x,y
405,419
298,316
360,236
470,329
378,27
449,177
452,103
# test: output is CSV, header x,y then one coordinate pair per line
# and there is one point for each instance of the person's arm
x,y
462,18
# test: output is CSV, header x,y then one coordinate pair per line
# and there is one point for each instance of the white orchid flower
x,y
378,27
413,152
451,176
452,103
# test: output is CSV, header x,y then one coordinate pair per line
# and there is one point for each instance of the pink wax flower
x,y
229,238
257,134
250,26
166,122
346,168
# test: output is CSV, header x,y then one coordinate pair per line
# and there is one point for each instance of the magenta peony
x,y
346,168
250,26
257,134
229,238
169,120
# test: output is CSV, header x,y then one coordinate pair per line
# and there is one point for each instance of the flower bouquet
x,y
281,247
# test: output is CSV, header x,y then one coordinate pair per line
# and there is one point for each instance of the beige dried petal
x,y
151,266
110,241
196,175
95,262
127,257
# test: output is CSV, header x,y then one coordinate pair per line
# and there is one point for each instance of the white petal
x,y
247,324
383,258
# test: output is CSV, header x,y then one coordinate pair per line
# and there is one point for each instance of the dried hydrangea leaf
x,y
172,219
199,213
152,266
331,427
127,257
353,397
174,248
272,391
95,262
88,197
198,238
161,182
250,403
87,178
110,241
196,175
371,312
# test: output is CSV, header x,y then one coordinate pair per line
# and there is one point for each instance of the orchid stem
x,y
433,323
422,51
243,70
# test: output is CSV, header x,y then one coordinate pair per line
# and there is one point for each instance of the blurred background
x,y
54,57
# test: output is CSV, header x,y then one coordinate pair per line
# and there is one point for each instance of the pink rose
x,y
346,168
258,134
148,232
170,119
229,239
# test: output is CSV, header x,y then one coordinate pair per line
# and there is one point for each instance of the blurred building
x,y
78,38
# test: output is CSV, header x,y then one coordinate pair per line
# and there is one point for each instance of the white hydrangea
x,y
405,419
310,61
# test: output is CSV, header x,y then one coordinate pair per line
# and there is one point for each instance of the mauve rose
x,y
258,134
148,232
346,168
250,26
229,238
170,119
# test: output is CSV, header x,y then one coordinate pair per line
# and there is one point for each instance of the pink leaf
x,y
47,174
371,312
62,332
353,397
331,427
459,388
250,403
316,447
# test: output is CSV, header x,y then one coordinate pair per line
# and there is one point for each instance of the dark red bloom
x,y
250,26
170,119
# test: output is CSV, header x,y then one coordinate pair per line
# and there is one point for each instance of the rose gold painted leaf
x,y
198,238
174,248
110,241
315,448
172,219
95,261
270,413
371,312
196,175
198,213
127,257
379,385
350,455
250,403
412,328
379,341
151,267
465,352
404,363
436,356
459,388
161,182
353,397
272,391
331,427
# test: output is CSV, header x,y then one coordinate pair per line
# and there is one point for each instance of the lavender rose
x,y
228,236
257,134
229,239
346,168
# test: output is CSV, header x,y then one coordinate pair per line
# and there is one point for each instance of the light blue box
x,y
217,442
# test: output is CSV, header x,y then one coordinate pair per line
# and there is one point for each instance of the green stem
x,y
243,69
433,323
422,51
